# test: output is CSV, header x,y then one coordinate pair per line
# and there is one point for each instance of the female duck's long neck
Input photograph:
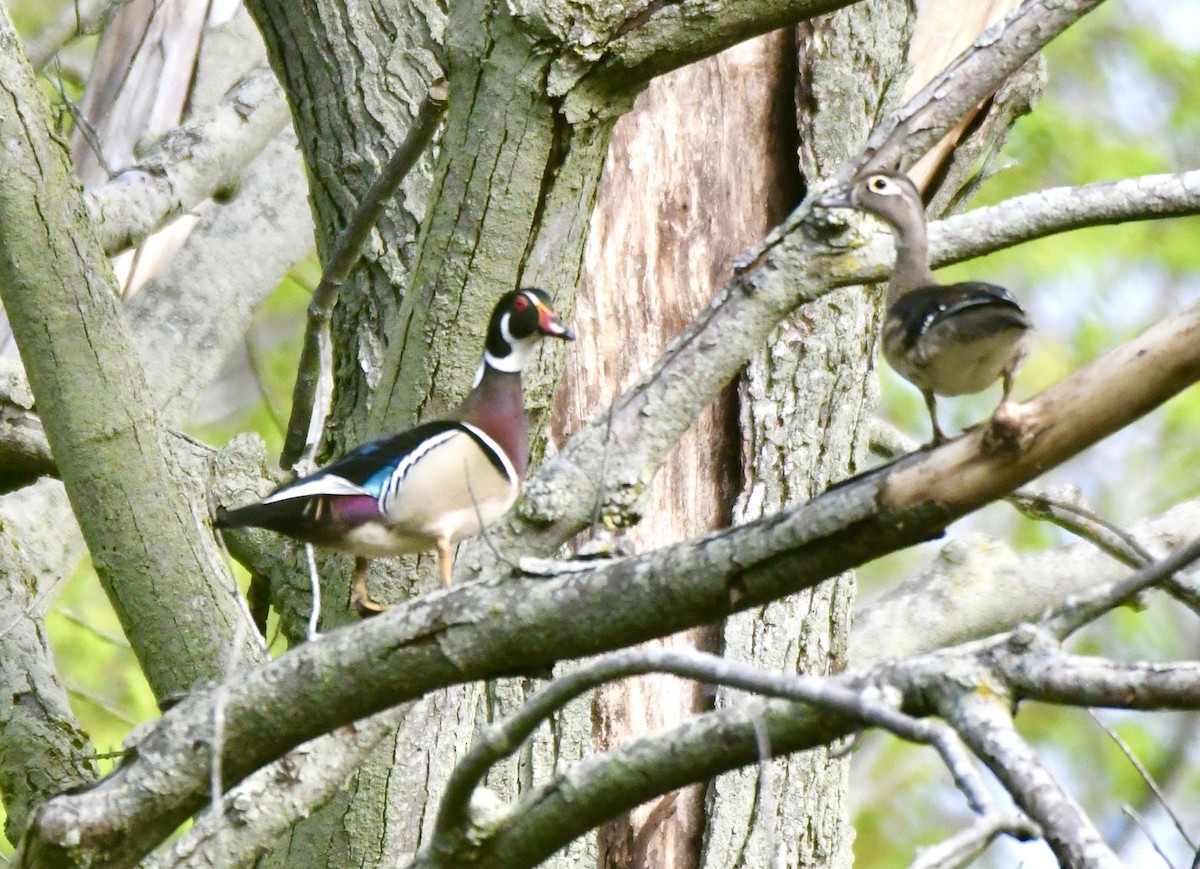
x,y
912,260
497,406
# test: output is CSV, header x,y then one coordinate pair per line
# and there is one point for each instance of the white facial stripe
x,y
520,356
324,484
522,348
516,361
509,470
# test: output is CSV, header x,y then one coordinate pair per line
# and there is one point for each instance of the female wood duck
x,y
953,339
432,485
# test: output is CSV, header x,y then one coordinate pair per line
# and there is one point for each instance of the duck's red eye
x,y
520,303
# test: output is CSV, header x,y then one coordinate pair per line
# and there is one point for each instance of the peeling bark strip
x,y
698,171
479,631
189,164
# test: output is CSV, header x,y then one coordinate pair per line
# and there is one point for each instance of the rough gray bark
x,y
245,230
270,803
97,409
43,751
356,73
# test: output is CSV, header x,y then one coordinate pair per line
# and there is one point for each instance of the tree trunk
x,y
696,173
806,404
410,321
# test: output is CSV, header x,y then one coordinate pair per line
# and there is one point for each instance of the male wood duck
x,y
945,339
432,485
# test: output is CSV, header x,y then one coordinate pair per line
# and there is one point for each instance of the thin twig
x,y
254,359
1137,818
103,704
90,137
764,798
314,581
1086,524
111,637
1088,608
982,717
1107,536
1146,777
967,844
303,431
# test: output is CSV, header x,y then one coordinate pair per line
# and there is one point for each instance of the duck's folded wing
x,y
324,506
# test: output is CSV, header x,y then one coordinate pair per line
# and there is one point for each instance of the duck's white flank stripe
x,y
324,484
388,491
509,470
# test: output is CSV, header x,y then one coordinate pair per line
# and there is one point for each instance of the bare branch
x,y
970,78
1151,784
1072,516
190,163
621,47
1029,661
1140,822
308,414
454,823
1034,668
74,20
267,804
198,300
1061,209
983,720
963,847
